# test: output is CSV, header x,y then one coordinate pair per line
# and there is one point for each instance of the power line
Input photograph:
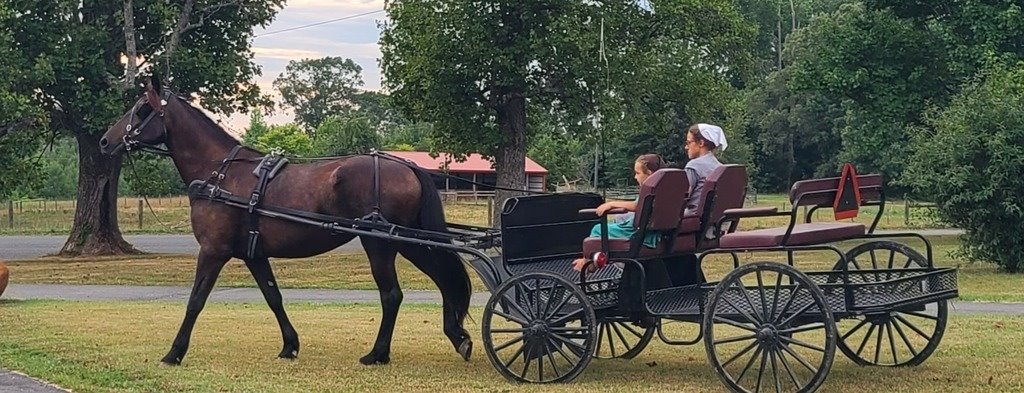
x,y
319,23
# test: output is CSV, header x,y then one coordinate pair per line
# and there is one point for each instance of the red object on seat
x,y
813,233
847,202
600,259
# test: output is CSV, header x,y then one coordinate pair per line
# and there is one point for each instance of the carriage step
x,y
687,300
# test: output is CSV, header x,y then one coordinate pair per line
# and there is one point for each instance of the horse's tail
x,y
449,264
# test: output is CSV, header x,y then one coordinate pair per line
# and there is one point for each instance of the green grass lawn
x,y
978,281
171,215
115,347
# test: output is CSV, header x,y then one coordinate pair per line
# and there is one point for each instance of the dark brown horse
x,y
342,187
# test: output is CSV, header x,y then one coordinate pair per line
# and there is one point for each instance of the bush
x,y
971,160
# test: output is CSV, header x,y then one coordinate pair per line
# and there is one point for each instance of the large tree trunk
x,y
95,230
510,159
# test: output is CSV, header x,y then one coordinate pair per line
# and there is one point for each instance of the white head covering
x,y
714,134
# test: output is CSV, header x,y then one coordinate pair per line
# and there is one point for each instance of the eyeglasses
x,y
688,142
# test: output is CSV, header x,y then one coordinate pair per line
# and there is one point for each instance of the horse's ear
x,y
153,94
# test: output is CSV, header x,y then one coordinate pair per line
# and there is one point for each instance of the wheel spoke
x,y
734,323
515,356
912,327
559,307
611,340
621,337
802,344
805,328
764,298
519,309
892,342
558,348
789,370
525,295
866,337
796,314
514,330
798,358
509,343
540,363
746,295
892,256
921,315
740,311
509,317
789,302
775,296
566,317
855,328
735,339
526,365
896,324
600,337
909,260
878,343
775,372
570,343
760,372
547,304
551,358
631,330
757,352
738,354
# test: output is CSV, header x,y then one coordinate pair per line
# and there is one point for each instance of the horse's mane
x,y
206,121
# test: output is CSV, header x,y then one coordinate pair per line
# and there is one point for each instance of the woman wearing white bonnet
x,y
702,140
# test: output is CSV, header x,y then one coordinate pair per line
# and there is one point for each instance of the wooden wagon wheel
x,y
900,337
539,328
756,330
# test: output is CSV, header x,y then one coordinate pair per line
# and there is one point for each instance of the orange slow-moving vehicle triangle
x,y
847,202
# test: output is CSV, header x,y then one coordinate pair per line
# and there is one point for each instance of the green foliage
x,y
151,175
319,88
58,171
870,62
970,157
408,137
342,135
289,139
21,124
257,128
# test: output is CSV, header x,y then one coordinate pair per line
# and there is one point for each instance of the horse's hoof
x,y
168,364
170,361
289,354
466,349
373,359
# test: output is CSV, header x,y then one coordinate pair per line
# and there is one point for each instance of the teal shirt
x,y
622,228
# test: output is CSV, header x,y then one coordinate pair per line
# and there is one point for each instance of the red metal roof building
x,y
474,168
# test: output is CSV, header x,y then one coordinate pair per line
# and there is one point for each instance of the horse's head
x,y
141,126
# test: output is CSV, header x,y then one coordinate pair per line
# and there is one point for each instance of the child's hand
x,y
604,208
577,265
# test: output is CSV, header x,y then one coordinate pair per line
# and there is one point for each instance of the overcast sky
x,y
354,38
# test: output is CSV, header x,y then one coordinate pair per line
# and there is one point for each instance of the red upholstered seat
x,y
803,234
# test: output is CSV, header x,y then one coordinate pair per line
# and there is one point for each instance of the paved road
x,y
27,247
253,295
17,382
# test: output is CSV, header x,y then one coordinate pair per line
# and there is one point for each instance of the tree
x,y
288,139
969,158
20,121
318,88
473,70
342,135
870,62
91,51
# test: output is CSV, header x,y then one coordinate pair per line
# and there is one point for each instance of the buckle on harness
x,y
254,199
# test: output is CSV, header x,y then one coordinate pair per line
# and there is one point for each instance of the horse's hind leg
x,y
207,269
264,276
382,265
449,274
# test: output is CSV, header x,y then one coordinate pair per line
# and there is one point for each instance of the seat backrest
x,y
822,192
669,190
724,188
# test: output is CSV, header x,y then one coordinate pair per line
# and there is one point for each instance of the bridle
x,y
131,132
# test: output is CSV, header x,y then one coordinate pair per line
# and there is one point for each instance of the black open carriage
x,y
880,303
765,325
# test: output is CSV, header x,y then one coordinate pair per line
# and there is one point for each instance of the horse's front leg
x,y
264,275
207,269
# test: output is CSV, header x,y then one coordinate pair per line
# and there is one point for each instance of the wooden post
x,y
140,214
906,210
490,212
10,214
